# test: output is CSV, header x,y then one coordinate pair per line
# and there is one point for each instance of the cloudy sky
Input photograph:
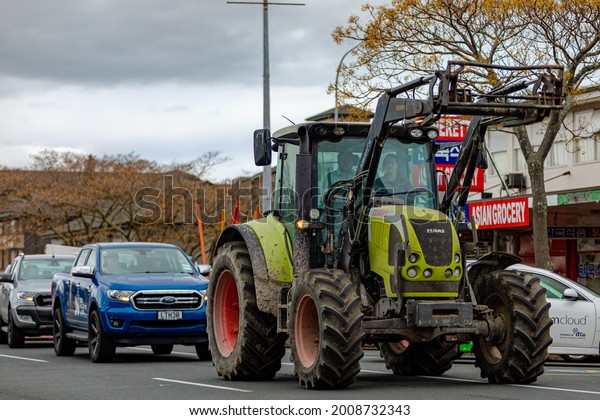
x,y
166,79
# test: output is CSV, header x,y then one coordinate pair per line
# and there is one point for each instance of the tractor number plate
x,y
170,315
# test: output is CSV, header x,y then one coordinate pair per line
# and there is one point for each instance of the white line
x,y
474,381
203,385
24,358
558,389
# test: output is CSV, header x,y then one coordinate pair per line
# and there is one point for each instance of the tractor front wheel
x,y
243,340
326,331
519,346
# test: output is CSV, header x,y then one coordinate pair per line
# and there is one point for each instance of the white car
x,y
575,313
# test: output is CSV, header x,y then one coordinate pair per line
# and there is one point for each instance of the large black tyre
x,y
162,349
518,302
203,351
14,335
101,347
326,330
3,337
243,340
432,358
63,345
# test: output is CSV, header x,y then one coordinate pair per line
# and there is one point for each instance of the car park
x,y
575,313
25,301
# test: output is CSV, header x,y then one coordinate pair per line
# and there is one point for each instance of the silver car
x,y
25,299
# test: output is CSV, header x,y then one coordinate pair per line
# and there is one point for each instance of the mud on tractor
x,y
376,256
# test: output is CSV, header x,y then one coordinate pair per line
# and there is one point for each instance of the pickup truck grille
x,y
43,299
149,300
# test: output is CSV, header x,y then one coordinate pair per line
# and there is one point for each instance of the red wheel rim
x,y
399,347
306,327
226,313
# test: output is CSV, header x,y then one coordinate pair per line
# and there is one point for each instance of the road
x,y
136,374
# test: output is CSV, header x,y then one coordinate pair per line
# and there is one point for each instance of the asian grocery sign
x,y
501,213
453,129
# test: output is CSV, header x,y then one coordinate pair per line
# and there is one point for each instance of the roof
x,y
133,245
344,111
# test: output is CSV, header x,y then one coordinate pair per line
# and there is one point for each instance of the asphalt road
x,y
35,373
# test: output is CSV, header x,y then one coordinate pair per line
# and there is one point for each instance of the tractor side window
x,y
285,186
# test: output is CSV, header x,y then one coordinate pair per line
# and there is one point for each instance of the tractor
x,y
378,256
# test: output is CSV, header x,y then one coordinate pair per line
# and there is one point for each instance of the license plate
x,y
170,315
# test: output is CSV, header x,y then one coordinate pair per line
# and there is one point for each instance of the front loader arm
x,y
525,101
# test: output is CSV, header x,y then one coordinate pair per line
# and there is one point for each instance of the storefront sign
x,y
573,232
452,128
476,183
501,213
591,196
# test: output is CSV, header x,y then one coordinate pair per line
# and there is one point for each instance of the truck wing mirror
x,y
82,271
262,147
6,278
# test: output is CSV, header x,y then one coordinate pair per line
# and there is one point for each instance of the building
x,y
573,194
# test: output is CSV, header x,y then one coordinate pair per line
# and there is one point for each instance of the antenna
x,y
291,122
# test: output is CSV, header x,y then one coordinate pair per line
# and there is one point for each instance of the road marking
x,y
24,358
577,391
203,385
572,371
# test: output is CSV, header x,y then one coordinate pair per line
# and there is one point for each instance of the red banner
x,y
476,184
500,213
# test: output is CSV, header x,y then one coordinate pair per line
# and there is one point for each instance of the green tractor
x,y
377,256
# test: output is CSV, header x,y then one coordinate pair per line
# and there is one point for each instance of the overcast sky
x,y
166,79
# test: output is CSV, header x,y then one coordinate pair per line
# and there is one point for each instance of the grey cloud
x,y
107,42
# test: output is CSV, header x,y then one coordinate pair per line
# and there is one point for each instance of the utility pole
x,y
267,190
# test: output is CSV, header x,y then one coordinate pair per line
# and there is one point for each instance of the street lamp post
x,y
337,75
267,190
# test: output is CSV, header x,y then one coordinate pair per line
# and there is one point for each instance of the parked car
x,y
129,294
25,301
575,313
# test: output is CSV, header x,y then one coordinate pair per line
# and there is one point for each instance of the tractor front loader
x,y
376,256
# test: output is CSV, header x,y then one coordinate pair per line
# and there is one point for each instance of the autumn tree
x,y
83,199
406,38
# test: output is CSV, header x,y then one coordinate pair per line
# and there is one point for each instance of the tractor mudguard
x,y
271,262
492,261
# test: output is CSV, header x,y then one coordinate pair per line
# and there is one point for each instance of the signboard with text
x,y
501,213
453,129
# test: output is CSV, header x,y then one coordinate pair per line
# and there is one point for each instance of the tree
x,y
411,37
83,199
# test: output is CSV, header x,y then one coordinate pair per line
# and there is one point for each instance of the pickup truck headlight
x,y
122,295
28,296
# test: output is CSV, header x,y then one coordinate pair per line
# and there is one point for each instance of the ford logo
x,y
168,300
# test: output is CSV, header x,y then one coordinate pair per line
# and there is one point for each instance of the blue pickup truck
x,y
129,294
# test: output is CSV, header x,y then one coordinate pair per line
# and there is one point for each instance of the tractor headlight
x,y
457,272
412,258
432,133
448,273
416,133
412,272
456,258
314,214
427,273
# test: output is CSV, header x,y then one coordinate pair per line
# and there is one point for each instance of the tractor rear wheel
x,y
243,340
516,353
326,331
431,358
